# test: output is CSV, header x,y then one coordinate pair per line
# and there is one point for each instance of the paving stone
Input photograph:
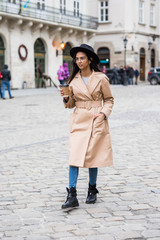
x,y
151,233
122,213
13,238
34,237
139,206
154,238
101,236
34,170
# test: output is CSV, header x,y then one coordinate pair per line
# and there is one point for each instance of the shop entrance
x,y
104,56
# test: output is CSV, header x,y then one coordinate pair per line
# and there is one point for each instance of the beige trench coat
x,y
90,142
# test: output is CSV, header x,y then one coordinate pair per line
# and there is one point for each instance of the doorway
x,y
104,56
39,61
142,64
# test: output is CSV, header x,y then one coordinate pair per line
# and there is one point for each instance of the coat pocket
x,y
100,126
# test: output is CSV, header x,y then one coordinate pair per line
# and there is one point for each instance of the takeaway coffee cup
x,y
65,88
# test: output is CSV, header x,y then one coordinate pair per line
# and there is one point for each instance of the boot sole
x,y
70,208
91,202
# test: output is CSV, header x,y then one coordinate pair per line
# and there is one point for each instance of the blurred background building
x,y
121,32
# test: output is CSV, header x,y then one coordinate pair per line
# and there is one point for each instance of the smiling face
x,y
82,61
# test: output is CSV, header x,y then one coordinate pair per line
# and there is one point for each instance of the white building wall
x,y
123,21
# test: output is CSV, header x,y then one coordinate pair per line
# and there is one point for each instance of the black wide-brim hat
x,y
84,48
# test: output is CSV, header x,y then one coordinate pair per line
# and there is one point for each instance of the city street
x,y
34,132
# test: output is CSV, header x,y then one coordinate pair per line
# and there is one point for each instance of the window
x,y
76,8
103,11
152,15
12,1
63,6
141,12
41,4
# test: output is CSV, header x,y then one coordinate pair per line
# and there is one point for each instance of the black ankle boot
x,y
72,200
92,194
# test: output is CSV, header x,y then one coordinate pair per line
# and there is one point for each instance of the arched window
x,y
142,51
2,49
104,56
152,58
39,46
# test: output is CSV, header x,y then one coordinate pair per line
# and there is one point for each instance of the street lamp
x,y
125,46
125,40
62,47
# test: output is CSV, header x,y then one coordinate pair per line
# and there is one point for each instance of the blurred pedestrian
x,y
131,74
115,74
66,71
104,69
61,74
121,74
40,79
136,73
127,74
90,143
6,78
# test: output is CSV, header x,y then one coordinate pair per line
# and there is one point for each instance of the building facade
x,y
138,22
31,33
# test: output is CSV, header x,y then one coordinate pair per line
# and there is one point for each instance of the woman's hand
x,y
99,115
62,94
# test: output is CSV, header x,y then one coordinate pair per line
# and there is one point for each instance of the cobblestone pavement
x,y
34,130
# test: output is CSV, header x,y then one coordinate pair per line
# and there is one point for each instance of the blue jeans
x,y
73,176
4,84
131,81
114,80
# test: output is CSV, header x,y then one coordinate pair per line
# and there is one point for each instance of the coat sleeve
x,y
70,103
108,100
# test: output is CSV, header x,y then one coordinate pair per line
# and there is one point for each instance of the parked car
x,y
109,74
154,76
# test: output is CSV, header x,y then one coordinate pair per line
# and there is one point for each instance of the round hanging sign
x,y
23,52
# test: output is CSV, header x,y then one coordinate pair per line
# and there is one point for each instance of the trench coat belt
x,y
88,104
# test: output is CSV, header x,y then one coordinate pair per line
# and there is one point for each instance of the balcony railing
x,y
48,14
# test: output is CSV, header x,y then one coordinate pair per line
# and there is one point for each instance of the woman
x,y
90,144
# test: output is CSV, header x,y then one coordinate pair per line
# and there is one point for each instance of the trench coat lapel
x,y
93,82
78,82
